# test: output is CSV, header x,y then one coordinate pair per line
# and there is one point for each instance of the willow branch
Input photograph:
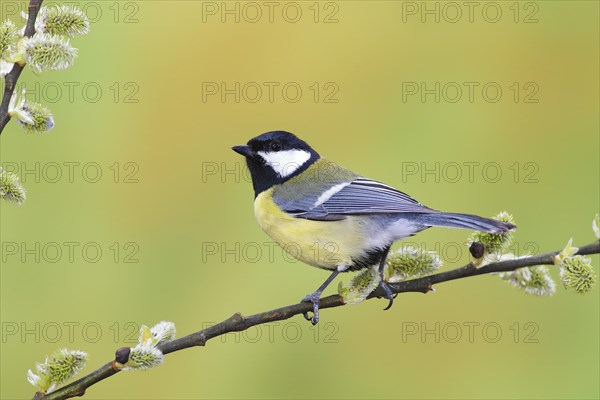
x,y
12,77
238,322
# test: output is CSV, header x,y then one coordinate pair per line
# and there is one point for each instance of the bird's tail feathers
x,y
466,221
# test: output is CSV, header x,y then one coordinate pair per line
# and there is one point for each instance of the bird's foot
x,y
388,294
315,299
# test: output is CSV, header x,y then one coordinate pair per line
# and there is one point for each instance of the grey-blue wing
x,y
361,196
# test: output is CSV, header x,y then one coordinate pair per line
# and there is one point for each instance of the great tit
x,y
332,218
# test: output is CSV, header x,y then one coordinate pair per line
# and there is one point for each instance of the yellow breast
x,y
323,244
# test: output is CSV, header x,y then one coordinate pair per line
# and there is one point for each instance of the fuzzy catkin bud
x,y
42,118
411,262
361,286
62,20
144,357
47,52
65,364
163,332
533,280
11,189
8,38
577,273
60,367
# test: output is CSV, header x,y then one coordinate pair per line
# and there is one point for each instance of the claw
x,y
388,294
390,304
315,299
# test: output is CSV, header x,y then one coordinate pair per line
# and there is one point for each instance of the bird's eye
x,y
275,146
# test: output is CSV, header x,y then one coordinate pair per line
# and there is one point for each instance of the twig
x,y
13,76
238,322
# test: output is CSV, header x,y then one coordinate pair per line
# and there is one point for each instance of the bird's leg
x,y
386,288
315,297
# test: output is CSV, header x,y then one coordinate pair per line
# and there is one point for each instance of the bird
x,y
332,218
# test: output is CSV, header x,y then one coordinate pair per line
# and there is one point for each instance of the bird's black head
x,y
274,157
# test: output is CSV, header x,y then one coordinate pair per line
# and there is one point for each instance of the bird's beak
x,y
244,150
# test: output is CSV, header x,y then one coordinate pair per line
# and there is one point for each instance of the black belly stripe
x,y
372,257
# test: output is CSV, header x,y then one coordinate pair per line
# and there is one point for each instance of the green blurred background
x,y
172,209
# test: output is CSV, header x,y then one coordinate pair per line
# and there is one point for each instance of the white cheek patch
x,y
286,162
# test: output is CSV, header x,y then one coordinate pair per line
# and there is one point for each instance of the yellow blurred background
x,y
138,211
